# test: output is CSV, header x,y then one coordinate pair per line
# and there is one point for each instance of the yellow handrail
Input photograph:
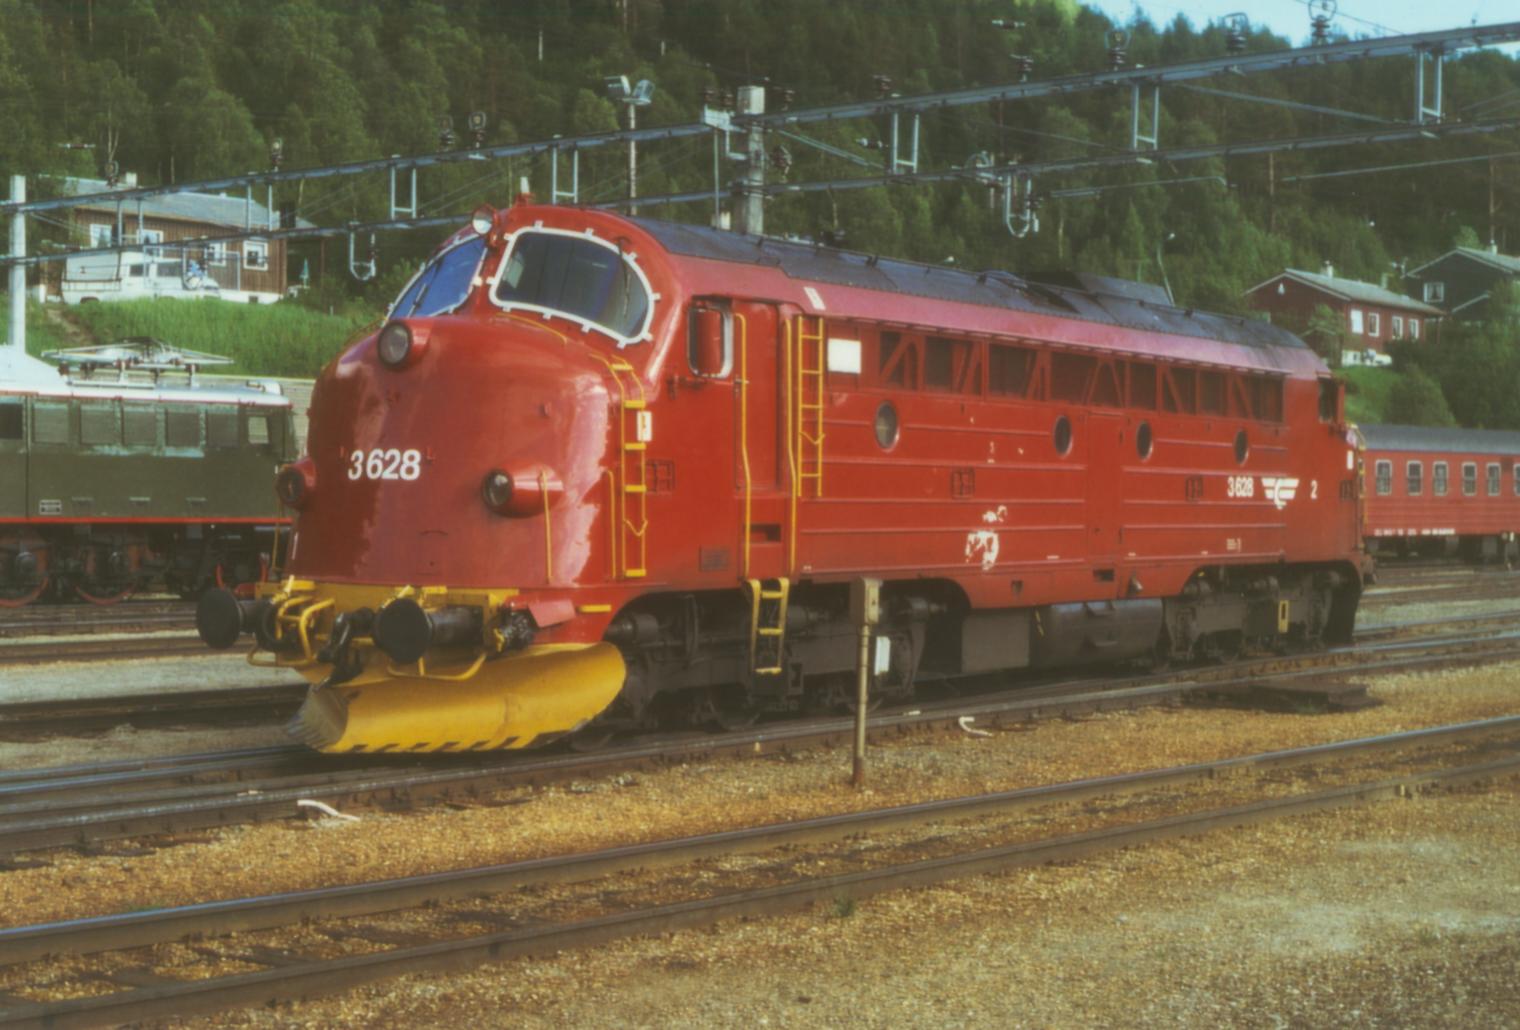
x,y
744,431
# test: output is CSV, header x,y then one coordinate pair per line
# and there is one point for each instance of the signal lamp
x,y
395,346
483,219
295,483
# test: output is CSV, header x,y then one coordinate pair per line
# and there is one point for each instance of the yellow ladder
x,y
810,387
767,624
631,486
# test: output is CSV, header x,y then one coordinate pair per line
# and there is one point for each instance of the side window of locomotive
x,y
1142,386
1009,370
182,427
12,420
951,365
1329,400
258,430
139,426
1071,376
1469,478
1515,475
443,284
1179,391
99,425
1414,475
710,340
1269,392
1384,472
1493,479
50,422
897,361
222,427
1211,393
579,277
1438,479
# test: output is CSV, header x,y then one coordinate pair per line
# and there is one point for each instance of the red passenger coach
x,y
598,473
1438,490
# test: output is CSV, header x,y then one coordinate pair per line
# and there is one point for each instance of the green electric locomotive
x,y
120,469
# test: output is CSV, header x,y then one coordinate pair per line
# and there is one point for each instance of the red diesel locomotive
x,y
1435,490
598,472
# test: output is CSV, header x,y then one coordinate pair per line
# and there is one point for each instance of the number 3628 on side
x,y
385,463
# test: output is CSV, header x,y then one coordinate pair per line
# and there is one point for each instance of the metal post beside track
x,y
18,270
865,607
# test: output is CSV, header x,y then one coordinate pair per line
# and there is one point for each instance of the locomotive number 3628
x,y
382,463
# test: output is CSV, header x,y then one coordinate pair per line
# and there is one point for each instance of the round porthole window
x,y
1061,437
1144,441
1242,447
886,426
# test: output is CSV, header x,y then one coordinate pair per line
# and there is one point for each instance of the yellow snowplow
x,y
409,670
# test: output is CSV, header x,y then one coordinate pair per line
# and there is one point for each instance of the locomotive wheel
x,y
21,596
106,594
731,711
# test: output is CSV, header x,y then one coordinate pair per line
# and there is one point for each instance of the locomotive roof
x,y
21,374
1445,439
1072,295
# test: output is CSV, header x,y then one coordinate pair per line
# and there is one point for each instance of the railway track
x,y
219,954
87,805
129,616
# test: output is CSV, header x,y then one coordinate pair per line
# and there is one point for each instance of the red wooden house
x,y
1372,316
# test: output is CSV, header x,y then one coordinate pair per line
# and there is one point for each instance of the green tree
x,y
1416,400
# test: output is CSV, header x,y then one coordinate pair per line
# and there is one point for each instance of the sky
x,y
1290,18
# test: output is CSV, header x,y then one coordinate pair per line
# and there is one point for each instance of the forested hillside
x,y
177,90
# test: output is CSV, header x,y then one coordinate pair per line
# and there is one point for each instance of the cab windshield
x,y
443,283
578,277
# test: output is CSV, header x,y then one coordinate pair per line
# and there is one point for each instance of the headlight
x,y
295,483
395,345
521,493
496,491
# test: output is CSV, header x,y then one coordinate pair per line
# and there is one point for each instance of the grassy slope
x,y
264,339
1367,391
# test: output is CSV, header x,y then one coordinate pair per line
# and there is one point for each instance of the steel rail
x,y
70,812
19,719
132,929
93,649
299,978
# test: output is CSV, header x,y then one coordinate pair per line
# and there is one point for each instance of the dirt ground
x,y
1406,913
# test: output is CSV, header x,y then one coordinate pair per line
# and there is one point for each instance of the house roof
x,y
1503,262
1352,289
1432,438
205,208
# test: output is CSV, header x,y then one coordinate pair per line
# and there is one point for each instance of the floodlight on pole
x,y
632,97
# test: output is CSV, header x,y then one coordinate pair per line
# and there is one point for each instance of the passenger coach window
x,y
1384,472
580,277
1438,479
1414,473
1469,478
1493,479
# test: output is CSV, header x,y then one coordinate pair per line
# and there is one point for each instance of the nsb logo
x,y
1279,489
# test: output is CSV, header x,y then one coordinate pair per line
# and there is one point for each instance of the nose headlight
x,y
398,346
295,483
